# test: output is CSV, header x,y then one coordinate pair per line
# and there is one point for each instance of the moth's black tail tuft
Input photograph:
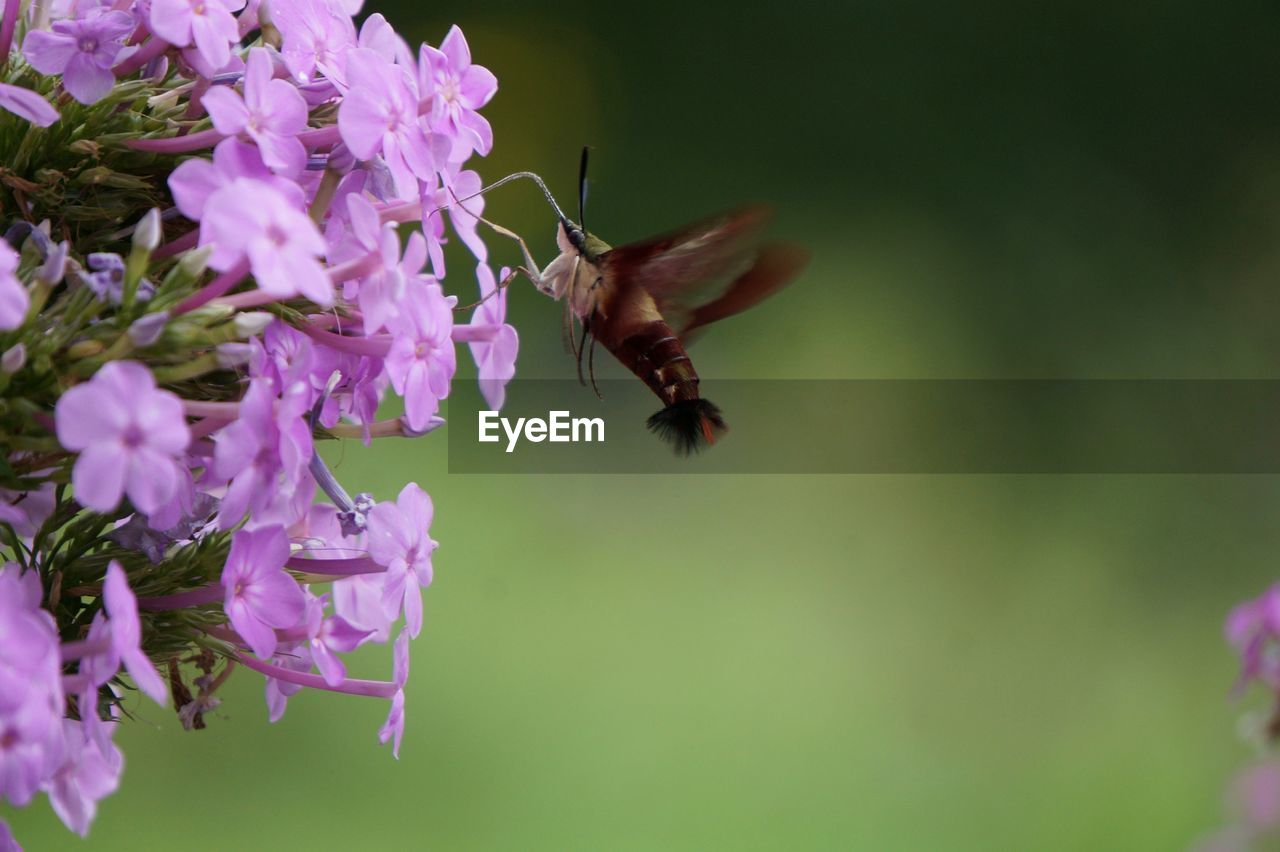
x,y
688,425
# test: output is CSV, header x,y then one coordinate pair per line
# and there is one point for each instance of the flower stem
x,y
7,26
179,245
371,688
211,593
177,144
345,567
84,648
474,333
140,58
376,347
215,288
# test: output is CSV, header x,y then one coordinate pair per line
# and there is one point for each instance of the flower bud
x,y
146,330
196,261
232,355
147,234
252,323
13,359
55,263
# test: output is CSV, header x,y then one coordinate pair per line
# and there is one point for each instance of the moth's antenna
x,y
497,183
582,189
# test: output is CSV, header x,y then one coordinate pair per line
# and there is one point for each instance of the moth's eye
x,y
577,237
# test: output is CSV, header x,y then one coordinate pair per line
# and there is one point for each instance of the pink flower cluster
x,y
73,760
303,155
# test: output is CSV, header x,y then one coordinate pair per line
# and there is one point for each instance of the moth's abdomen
x,y
654,353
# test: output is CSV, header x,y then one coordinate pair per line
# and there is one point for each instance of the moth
x,y
643,300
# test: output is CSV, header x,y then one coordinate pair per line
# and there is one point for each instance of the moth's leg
x,y
582,346
530,269
591,368
502,285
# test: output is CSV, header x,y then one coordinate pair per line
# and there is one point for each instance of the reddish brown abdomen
x,y
630,327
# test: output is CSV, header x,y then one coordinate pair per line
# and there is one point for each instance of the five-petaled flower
x,y
82,51
130,436
271,113
260,594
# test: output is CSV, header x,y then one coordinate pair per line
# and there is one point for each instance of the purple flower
x,y
82,51
271,113
195,180
495,358
379,115
14,300
358,599
398,539
422,360
7,841
316,35
26,104
457,90
85,776
380,292
295,657
265,454
126,634
260,593
393,728
31,699
131,437
106,278
207,24
328,637
1253,627
249,219
26,511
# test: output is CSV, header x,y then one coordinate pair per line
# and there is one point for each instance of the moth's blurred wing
x,y
706,271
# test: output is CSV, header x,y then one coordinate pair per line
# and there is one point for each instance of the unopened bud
x,y
147,330
252,323
196,261
147,234
432,425
232,355
55,263
13,359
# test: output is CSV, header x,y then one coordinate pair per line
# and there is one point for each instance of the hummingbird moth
x,y
642,300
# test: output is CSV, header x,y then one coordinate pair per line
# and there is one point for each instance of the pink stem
x,y
224,411
248,299
195,104
178,246
84,648
474,333
140,58
377,347
293,634
76,683
211,593
7,27
357,268
215,288
178,144
351,686
319,137
209,425
407,211
345,567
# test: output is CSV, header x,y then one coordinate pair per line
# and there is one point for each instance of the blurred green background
x,y
990,189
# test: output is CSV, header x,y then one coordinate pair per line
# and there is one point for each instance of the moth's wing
x,y
776,264
706,271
